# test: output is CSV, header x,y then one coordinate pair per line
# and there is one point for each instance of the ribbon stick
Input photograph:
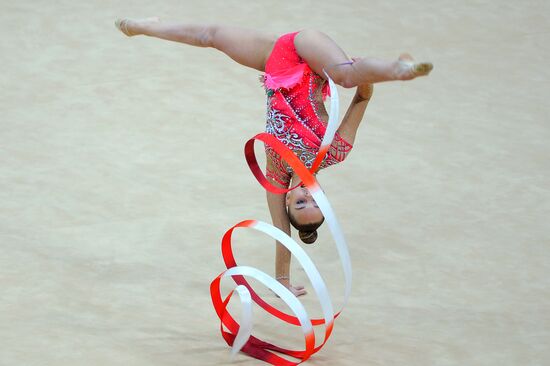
x,y
239,336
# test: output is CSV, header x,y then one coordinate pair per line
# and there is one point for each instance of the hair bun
x,y
308,237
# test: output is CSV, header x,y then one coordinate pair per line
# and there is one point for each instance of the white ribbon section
x,y
245,329
305,261
338,235
319,286
334,113
288,297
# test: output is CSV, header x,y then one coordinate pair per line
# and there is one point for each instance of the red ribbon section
x,y
229,327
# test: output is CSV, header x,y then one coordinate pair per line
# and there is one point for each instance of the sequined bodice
x,y
296,114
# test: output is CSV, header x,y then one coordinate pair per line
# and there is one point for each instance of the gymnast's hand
x,y
296,290
364,91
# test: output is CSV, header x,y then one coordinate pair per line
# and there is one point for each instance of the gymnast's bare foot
x,y
407,69
134,27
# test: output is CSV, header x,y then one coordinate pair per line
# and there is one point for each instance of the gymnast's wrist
x,y
283,280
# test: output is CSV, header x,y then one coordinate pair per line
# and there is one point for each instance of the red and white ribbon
x,y
239,336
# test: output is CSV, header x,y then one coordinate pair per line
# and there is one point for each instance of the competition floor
x,y
121,167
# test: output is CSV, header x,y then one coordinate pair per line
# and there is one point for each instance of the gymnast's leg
x,y
247,47
322,53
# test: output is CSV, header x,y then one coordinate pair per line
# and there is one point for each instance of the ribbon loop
x,y
239,336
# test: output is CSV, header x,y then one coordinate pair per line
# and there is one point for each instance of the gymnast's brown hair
x,y
307,232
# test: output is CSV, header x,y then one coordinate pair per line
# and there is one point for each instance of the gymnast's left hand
x,y
297,290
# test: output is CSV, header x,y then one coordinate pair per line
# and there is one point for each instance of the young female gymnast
x,y
293,67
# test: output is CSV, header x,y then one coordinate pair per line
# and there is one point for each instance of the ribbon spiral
x,y
239,336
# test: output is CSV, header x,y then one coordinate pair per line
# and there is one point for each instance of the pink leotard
x,y
294,98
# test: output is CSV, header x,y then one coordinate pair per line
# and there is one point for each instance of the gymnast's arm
x,y
279,217
354,115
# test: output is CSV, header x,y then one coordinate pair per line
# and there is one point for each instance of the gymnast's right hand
x,y
364,91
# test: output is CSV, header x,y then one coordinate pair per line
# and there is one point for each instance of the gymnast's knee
x,y
343,76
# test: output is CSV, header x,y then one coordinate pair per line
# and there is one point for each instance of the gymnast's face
x,y
303,207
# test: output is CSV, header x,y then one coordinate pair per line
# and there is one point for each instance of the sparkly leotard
x,y
294,104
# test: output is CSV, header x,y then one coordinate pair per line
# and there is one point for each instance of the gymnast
x,y
294,80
